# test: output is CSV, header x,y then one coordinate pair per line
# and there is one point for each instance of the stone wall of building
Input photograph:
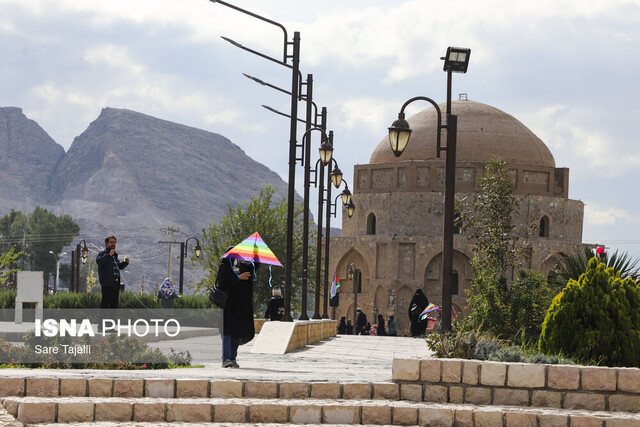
x,y
395,235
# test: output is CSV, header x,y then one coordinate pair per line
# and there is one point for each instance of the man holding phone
x,y
109,273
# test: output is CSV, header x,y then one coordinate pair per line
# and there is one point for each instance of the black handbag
x,y
218,296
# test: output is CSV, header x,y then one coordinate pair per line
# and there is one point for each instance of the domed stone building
x,y
394,239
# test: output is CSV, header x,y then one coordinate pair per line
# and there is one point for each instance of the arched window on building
x,y
454,282
371,223
544,226
457,223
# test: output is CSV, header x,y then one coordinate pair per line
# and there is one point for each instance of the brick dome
x,y
483,132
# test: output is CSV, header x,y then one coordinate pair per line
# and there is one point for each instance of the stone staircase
x,y
32,400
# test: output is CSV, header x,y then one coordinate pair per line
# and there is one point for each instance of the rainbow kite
x,y
253,249
431,307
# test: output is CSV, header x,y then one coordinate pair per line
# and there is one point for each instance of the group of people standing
x,y
363,327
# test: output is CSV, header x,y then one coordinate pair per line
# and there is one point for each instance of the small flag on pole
x,y
335,285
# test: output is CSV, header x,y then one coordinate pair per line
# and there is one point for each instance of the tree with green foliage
x,y
35,234
506,310
595,319
261,215
7,266
499,245
573,266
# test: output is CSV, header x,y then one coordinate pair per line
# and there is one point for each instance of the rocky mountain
x,y
130,175
28,158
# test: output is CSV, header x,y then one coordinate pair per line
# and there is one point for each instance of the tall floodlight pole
x,y
295,82
455,61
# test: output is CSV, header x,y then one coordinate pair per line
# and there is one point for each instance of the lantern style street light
x,y
335,177
81,253
456,60
184,247
326,154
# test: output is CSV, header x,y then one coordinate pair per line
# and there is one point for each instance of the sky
x,y
566,69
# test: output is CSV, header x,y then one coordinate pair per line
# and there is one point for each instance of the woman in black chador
x,y
381,329
275,308
237,279
342,326
418,303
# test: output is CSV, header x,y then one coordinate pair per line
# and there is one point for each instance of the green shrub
x,y
131,354
192,301
459,342
512,312
511,354
595,319
487,349
7,299
130,299
72,300
530,298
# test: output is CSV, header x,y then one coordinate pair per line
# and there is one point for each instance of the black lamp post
x,y
310,122
326,155
295,81
355,275
184,247
455,61
335,177
326,152
81,253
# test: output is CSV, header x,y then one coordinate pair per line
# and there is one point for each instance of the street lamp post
x,y
336,178
455,61
81,253
355,275
326,150
57,280
310,121
295,70
184,247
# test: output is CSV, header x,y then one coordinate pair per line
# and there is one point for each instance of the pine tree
x,y
595,319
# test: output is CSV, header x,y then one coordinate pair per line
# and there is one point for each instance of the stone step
x,y
31,410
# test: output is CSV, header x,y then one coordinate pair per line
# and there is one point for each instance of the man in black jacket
x,y
109,273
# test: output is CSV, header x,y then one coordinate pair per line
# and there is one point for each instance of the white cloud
x,y
114,56
601,216
365,113
586,138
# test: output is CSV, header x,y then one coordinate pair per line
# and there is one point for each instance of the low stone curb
x,y
299,411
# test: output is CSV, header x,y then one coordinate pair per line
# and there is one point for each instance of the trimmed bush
x,y
193,301
8,299
595,319
92,300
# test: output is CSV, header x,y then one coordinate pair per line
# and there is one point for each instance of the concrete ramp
x,y
282,337
274,338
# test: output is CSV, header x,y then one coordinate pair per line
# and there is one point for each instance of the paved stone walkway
x,y
345,358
